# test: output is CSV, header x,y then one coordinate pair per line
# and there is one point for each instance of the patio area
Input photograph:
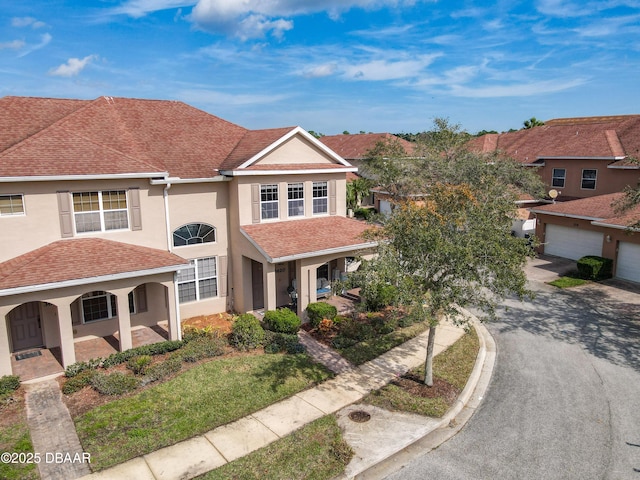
x,y
43,362
344,303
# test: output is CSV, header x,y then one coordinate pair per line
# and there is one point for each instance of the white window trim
x,y
554,177
276,201
19,214
110,313
101,211
595,180
215,235
197,279
313,198
290,200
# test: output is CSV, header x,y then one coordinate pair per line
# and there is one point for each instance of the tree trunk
x,y
428,365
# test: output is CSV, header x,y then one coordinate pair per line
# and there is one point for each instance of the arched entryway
x,y
25,326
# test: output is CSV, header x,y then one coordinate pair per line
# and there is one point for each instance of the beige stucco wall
x,y
241,191
41,223
608,180
295,150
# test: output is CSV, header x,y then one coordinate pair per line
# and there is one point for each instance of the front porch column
x,y
65,326
270,294
124,318
307,289
173,307
5,351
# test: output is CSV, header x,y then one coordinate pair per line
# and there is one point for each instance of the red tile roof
x,y
44,136
81,258
310,236
356,147
588,137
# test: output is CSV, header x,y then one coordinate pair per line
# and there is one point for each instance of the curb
x,y
455,418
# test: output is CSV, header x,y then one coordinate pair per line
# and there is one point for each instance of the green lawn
x,y
568,282
203,398
453,366
316,451
15,438
369,349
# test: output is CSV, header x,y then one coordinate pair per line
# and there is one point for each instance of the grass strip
x,y
568,282
453,366
15,438
203,398
367,350
315,452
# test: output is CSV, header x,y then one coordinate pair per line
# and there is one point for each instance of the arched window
x,y
194,233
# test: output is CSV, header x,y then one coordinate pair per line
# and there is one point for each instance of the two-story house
x,y
585,163
117,214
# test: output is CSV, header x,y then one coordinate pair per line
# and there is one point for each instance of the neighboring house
x,y
591,226
117,213
355,149
578,157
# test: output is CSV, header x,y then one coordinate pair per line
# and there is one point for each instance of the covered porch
x,y
128,294
297,262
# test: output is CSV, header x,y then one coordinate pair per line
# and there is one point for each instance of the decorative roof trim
x,y
244,173
613,225
612,159
90,280
284,138
569,215
176,180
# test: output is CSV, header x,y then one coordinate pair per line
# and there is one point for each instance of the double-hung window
x,y
589,179
101,305
100,211
11,205
199,281
558,178
295,195
269,201
320,198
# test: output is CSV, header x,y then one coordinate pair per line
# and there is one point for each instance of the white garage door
x,y
571,243
628,261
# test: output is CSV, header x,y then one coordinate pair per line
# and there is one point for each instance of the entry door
x,y
258,285
26,331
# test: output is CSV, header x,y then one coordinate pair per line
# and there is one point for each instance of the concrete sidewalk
x,y
203,453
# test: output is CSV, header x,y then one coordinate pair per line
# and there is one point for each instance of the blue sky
x,y
334,65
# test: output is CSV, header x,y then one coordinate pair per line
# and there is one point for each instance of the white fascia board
x,y
624,167
54,178
257,247
91,280
567,215
284,138
583,158
610,225
175,180
255,173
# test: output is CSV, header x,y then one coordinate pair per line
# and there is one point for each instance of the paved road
x,y
564,401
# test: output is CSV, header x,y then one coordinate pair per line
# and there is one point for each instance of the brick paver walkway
x,y
323,354
53,433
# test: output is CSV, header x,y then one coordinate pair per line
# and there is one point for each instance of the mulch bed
x,y
414,385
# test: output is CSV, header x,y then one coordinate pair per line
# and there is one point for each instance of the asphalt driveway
x,y
564,401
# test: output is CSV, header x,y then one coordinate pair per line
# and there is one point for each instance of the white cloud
x,y
318,71
45,39
140,8
27,22
215,98
377,70
73,66
517,90
13,45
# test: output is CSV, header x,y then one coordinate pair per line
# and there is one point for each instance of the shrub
x,y
78,367
282,320
593,267
162,369
383,325
319,310
202,347
116,383
9,383
152,349
194,333
78,382
326,326
139,364
246,332
282,342
376,297
354,330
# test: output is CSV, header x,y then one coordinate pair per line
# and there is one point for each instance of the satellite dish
x,y
553,193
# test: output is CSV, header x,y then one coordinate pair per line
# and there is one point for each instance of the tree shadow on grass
x,y
287,366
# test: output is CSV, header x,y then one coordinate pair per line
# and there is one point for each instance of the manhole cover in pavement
x,y
360,416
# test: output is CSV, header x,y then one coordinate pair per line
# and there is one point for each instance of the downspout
x,y
165,197
176,297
